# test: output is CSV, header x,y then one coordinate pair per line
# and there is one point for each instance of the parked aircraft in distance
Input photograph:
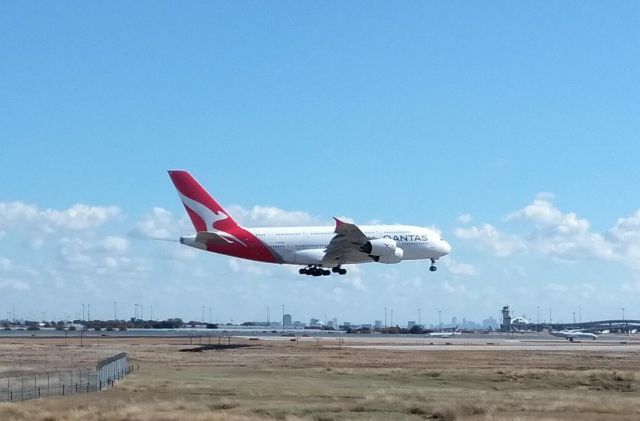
x,y
314,247
444,333
574,334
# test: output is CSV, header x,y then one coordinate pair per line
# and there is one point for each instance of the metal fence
x,y
40,385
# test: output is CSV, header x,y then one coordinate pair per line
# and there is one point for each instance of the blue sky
x,y
519,117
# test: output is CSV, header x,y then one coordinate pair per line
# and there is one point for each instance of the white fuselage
x,y
571,334
307,245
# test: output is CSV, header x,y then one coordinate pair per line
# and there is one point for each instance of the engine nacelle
x,y
396,257
379,247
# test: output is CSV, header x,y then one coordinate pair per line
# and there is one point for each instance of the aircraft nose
x,y
445,247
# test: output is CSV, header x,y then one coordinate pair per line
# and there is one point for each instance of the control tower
x,y
506,319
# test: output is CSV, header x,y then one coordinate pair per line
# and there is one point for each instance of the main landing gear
x,y
433,267
319,271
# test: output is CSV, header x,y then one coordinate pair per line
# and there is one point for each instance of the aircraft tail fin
x,y
205,213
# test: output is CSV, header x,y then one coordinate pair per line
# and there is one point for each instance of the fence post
x,y
11,392
87,386
62,389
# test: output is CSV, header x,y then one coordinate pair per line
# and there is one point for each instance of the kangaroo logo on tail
x,y
204,211
208,216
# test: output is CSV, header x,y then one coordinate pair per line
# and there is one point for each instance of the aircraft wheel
x,y
433,268
342,272
326,272
302,271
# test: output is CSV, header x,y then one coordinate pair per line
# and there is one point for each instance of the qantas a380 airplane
x,y
315,248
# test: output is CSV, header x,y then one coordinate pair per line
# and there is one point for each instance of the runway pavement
x,y
473,342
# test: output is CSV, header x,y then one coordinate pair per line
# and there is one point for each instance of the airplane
x,y
444,333
316,248
574,334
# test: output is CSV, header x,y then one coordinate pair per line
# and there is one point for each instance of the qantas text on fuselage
x,y
316,248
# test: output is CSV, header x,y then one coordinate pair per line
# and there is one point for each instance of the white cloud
x,y
465,218
269,216
19,216
555,288
459,268
80,217
97,255
559,235
159,223
5,264
14,284
488,237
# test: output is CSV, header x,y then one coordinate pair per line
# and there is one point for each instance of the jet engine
x,y
396,257
379,247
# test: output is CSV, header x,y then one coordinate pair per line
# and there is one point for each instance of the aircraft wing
x,y
347,241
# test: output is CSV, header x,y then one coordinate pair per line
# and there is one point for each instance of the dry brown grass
x,y
311,381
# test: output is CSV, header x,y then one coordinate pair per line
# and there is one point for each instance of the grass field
x,y
319,381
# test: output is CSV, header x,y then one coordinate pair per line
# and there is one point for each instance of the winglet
x,y
339,223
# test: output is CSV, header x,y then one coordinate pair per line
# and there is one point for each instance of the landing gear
x,y
319,271
314,271
433,267
339,270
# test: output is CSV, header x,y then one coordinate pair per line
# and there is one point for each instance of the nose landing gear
x,y
433,267
339,270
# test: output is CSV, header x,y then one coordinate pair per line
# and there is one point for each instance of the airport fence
x,y
60,383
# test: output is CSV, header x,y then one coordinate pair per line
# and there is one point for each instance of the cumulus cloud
x,y
269,216
19,216
488,237
459,268
159,223
97,255
464,218
5,264
560,235
14,284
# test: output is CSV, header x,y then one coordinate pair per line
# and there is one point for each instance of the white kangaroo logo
x,y
210,218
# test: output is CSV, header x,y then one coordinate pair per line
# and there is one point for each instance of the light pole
x,y
115,311
538,309
622,313
440,319
580,314
419,320
391,318
283,318
574,317
385,317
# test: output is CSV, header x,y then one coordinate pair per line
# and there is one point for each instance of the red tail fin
x,y
205,213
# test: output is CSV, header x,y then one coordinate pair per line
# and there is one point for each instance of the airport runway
x,y
533,342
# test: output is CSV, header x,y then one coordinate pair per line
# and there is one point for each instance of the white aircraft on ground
x,y
315,248
574,334
444,333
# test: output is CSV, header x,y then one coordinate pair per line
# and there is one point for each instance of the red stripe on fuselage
x,y
254,249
